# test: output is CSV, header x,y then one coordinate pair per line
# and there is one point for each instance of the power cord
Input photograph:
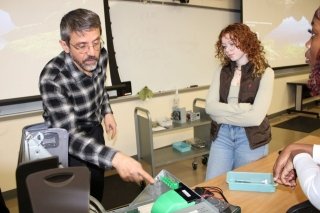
x,y
211,191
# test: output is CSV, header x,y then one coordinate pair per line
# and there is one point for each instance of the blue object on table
x,y
251,181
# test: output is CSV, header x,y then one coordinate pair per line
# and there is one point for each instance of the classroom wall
x,y
11,127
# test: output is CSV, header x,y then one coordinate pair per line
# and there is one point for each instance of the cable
x,y
211,191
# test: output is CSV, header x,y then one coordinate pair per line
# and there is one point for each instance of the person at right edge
x,y
303,160
238,100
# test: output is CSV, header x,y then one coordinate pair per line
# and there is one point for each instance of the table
x,y
299,85
269,202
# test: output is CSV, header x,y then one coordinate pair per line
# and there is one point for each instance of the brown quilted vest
x,y
257,135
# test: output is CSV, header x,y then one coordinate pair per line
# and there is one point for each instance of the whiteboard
x,y
29,38
284,33
164,46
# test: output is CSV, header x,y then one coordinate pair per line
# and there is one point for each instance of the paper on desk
x,y
158,128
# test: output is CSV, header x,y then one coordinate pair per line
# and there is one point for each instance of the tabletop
x,y
279,201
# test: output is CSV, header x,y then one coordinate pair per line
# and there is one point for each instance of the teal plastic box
x,y
181,146
251,181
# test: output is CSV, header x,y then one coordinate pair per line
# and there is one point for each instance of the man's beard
x,y
88,67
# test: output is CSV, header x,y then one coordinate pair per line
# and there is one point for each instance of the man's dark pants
x,y
97,174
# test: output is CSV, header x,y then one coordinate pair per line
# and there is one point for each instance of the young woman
x,y
238,101
303,160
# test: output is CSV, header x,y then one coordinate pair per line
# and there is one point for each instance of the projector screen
x,y
282,26
29,38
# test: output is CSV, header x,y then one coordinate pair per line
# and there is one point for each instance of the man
x,y
74,98
303,160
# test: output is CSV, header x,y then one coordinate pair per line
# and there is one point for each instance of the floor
x,y
184,172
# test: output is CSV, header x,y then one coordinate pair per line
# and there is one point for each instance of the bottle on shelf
x,y
176,100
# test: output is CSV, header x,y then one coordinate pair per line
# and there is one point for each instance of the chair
x,y
32,160
23,171
55,141
60,190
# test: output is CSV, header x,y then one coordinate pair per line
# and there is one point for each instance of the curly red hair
x,y
248,42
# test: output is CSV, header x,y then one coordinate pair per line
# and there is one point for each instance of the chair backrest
x,y
60,190
23,170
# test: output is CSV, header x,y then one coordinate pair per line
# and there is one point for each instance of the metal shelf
x,y
188,124
166,155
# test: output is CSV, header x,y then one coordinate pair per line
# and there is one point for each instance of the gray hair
x,y
78,20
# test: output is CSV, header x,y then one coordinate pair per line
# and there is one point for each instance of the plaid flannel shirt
x,y
71,98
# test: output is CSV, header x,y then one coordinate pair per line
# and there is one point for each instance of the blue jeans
x,y
230,150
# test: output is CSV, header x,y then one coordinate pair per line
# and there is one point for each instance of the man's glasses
x,y
84,47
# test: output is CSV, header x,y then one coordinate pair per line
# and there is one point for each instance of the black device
x,y
39,141
118,90
183,1
303,207
221,204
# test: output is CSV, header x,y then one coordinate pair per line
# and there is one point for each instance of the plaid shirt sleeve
x,y
106,108
59,111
